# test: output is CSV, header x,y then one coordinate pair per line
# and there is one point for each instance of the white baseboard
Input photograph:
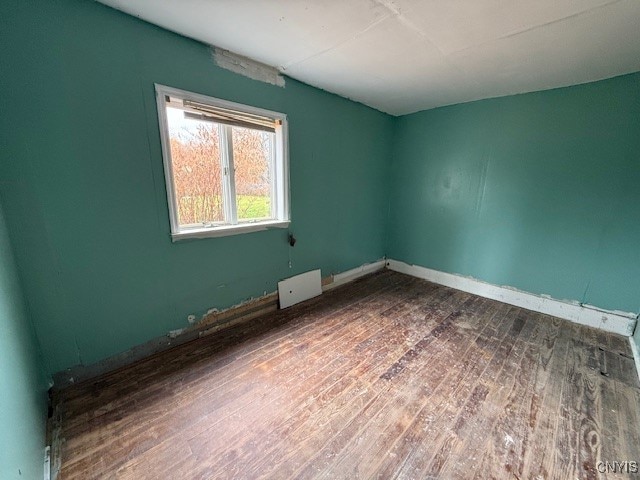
x,y
353,274
47,463
622,323
636,355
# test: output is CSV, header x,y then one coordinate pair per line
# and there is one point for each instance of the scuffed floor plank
x,y
387,377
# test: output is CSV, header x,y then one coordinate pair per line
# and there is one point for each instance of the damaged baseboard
x,y
622,323
216,321
53,458
47,463
636,355
212,322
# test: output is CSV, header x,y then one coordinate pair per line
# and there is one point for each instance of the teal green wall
x,y
83,176
23,385
538,191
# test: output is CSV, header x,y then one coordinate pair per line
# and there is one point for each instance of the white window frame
x,y
279,170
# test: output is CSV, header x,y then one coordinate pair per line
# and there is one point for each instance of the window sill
x,y
226,230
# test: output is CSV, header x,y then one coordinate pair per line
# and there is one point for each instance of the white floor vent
x,y
299,288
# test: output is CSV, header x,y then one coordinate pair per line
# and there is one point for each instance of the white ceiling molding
x,y
403,56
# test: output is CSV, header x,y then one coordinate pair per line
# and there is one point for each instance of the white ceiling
x,y
402,56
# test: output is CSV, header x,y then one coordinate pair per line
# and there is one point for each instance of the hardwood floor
x,y
388,377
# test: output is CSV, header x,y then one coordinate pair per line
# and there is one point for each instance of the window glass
x,y
252,158
197,179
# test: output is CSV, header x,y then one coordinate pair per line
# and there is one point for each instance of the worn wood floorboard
x,y
387,377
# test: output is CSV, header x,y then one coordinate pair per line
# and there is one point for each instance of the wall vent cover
x,y
299,288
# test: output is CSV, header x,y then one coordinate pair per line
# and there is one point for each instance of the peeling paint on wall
x,y
213,321
175,333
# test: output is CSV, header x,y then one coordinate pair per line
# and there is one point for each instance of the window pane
x,y
195,157
252,160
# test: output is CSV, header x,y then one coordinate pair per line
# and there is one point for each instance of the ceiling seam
x,y
339,44
397,12
535,27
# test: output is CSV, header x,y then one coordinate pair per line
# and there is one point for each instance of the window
x,y
225,164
